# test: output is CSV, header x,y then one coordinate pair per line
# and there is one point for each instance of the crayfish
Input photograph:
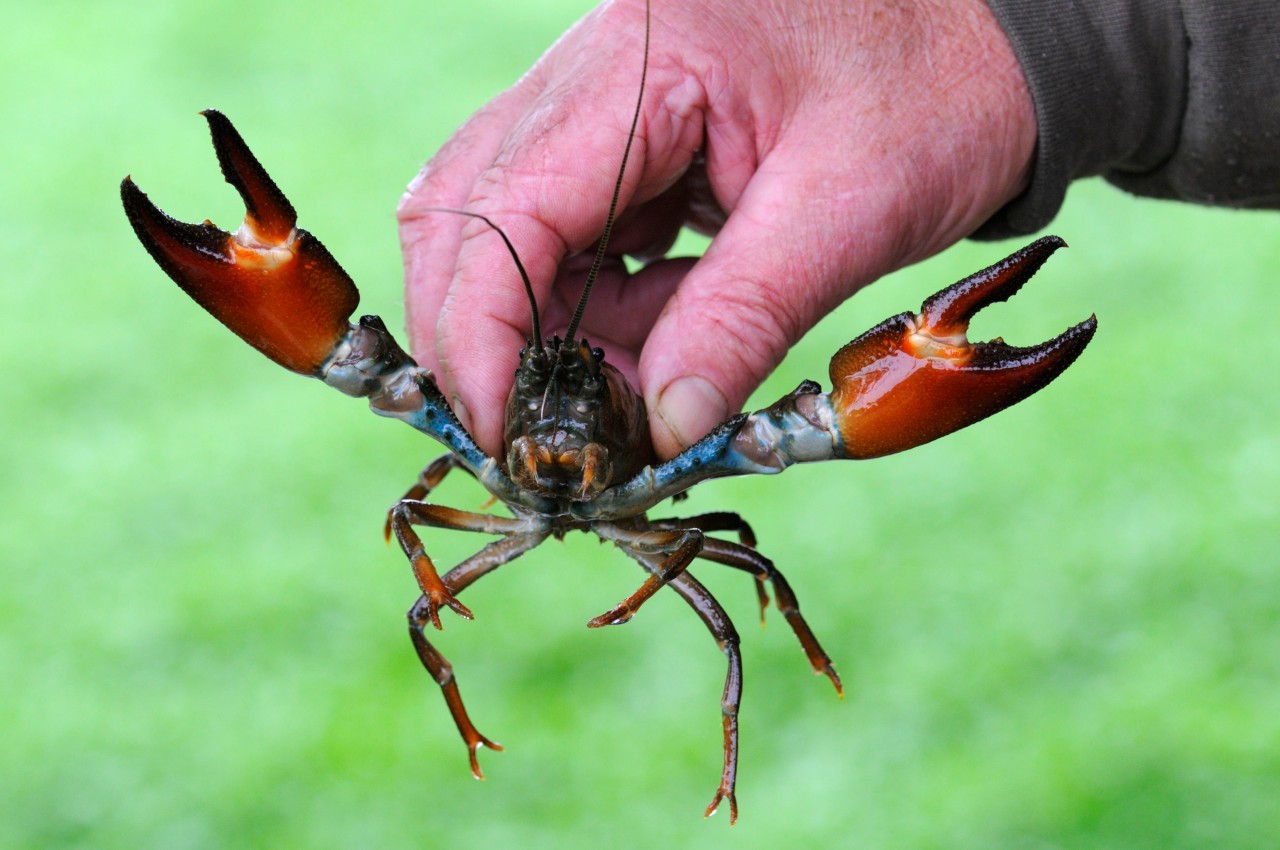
x,y
578,449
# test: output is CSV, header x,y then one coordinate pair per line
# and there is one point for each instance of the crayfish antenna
x,y
603,244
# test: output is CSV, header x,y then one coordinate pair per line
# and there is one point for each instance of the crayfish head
x,y
573,423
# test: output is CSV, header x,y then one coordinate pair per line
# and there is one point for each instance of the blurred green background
x,y
1057,629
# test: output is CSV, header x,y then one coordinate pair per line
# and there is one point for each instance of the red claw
x,y
914,378
273,284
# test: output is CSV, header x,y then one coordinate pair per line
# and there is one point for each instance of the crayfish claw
x,y
268,213
273,284
914,378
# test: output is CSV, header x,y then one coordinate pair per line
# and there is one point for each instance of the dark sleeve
x,y
1166,98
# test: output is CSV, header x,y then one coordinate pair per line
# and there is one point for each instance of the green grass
x,y
1060,628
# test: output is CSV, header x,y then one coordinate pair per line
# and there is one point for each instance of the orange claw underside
x,y
912,379
273,284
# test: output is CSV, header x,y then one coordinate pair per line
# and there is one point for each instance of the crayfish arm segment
x,y
432,416
368,362
800,427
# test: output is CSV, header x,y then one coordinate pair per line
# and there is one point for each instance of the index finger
x,y
549,187
430,239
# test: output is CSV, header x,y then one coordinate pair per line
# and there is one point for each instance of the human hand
x,y
823,143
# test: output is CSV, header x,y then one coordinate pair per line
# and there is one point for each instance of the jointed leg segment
x,y
726,636
721,521
742,556
680,548
455,581
407,513
517,538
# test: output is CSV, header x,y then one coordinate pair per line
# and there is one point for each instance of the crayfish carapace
x,y
578,454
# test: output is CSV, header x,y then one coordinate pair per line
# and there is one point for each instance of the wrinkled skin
x,y
842,140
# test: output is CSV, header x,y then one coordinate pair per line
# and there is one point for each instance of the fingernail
x,y
690,407
460,411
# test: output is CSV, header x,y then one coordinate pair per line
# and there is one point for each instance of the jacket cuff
x,y
1108,81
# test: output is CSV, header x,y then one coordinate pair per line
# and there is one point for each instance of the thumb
x,y
783,260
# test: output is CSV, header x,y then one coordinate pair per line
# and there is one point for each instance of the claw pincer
x,y
915,378
272,283
911,379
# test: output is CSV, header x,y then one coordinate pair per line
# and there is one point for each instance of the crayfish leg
x,y
489,558
408,513
744,556
726,637
740,557
442,671
428,480
721,521
679,547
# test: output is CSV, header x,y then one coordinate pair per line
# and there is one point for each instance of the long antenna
x,y
617,190
528,287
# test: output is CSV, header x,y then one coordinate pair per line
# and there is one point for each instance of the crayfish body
x,y
573,423
579,455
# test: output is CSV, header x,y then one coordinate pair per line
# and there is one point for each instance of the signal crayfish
x,y
578,455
